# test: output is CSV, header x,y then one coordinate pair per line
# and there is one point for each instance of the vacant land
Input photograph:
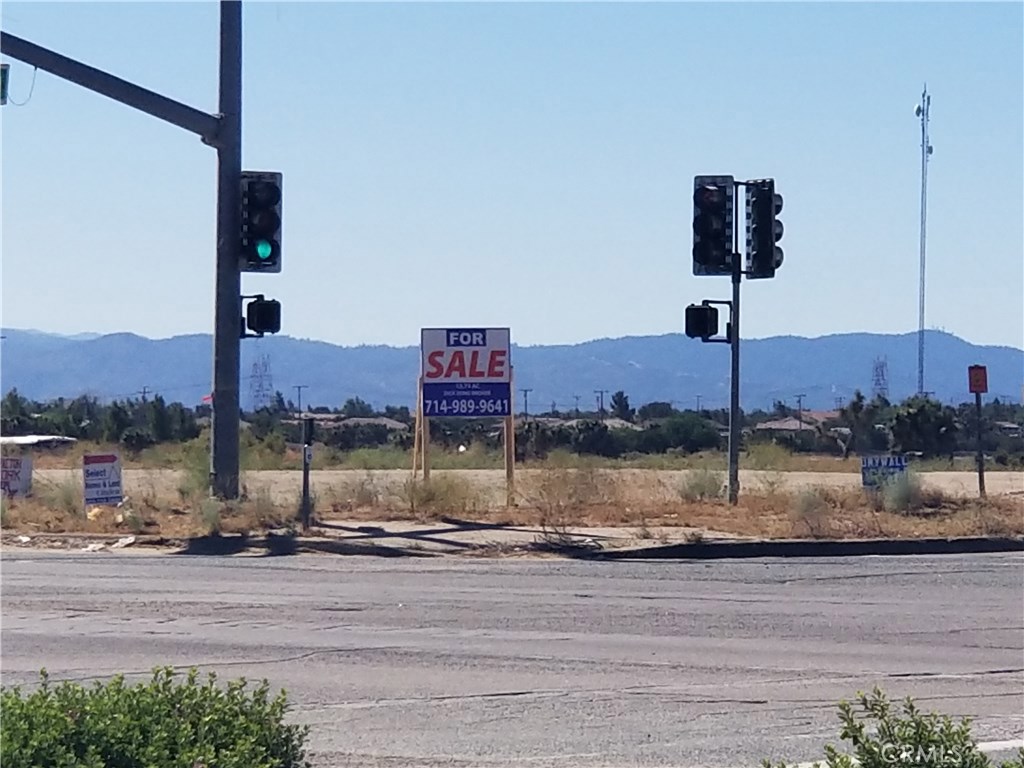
x,y
772,504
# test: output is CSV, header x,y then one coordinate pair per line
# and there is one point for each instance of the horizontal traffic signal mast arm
x,y
205,125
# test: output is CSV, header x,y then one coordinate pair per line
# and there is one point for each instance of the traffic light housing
x,y
263,316
701,321
713,220
261,221
764,230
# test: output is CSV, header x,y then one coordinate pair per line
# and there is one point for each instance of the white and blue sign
x,y
876,471
466,372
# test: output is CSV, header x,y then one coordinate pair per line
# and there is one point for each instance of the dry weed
x,y
811,513
442,495
702,485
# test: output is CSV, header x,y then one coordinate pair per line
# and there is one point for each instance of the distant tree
x,y
924,425
355,407
655,410
116,420
183,422
158,420
620,406
691,433
15,414
860,417
278,404
398,413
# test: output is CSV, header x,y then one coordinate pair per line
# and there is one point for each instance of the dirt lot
x,y
772,504
631,485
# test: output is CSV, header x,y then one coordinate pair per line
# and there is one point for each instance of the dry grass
x,y
194,456
556,500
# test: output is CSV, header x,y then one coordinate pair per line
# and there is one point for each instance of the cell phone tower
x,y
923,111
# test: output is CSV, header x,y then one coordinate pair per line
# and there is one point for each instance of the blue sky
x,y
528,165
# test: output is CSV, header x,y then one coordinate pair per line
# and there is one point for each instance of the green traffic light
x,y
264,249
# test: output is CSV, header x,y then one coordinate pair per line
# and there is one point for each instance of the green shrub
x,y
156,725
902,493
909,739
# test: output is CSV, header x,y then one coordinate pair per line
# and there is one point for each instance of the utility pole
x,y
223,131
600,401
526,403
800,409
144,391
298,389
698,405
227,322
577,398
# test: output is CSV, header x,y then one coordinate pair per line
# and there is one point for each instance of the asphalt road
x,y
544,662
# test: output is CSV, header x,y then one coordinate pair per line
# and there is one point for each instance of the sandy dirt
x,y
627,485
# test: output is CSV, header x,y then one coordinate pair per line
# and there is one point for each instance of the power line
x,y
526,402
298,388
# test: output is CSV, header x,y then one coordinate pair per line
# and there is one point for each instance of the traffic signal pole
x,y
734,374
223,132
227,323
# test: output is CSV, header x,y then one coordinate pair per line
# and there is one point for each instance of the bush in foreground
x,y
904,739
159,724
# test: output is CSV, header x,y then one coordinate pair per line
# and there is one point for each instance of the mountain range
x,y
668,367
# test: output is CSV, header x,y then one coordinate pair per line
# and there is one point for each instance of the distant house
x,y
40,441
1008,429
787,426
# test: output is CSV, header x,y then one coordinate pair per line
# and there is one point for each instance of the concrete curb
x,y
283,544
722,550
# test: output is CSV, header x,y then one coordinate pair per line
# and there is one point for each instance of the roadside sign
x,y
977,379
16,476
101,474
466,372
307,455
875,471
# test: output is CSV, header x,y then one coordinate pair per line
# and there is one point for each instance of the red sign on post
x,y
977,379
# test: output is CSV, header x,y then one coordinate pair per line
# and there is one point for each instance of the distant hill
x,y
669,367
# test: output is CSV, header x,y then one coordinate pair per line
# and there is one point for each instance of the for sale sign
x,y
101,474
977,379
466,372
16,475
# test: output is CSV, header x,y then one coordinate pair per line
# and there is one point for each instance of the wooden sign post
x,y
465,373
977,381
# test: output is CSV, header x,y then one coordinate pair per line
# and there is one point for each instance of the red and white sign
x,y
461,355
16,475
101,476
977,379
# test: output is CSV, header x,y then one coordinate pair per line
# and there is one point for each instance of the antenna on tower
x,y
261,383
923,111
880,378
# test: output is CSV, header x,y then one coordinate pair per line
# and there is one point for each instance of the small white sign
x,y
307,454
101,475
16,475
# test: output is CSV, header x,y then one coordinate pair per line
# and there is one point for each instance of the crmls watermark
x,y
910,754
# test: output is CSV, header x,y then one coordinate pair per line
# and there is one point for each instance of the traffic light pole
x,y
734,375
224,132
227,323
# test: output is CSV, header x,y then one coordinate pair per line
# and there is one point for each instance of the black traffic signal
x,y
701,321
263,316
764,229
713,215
261,221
